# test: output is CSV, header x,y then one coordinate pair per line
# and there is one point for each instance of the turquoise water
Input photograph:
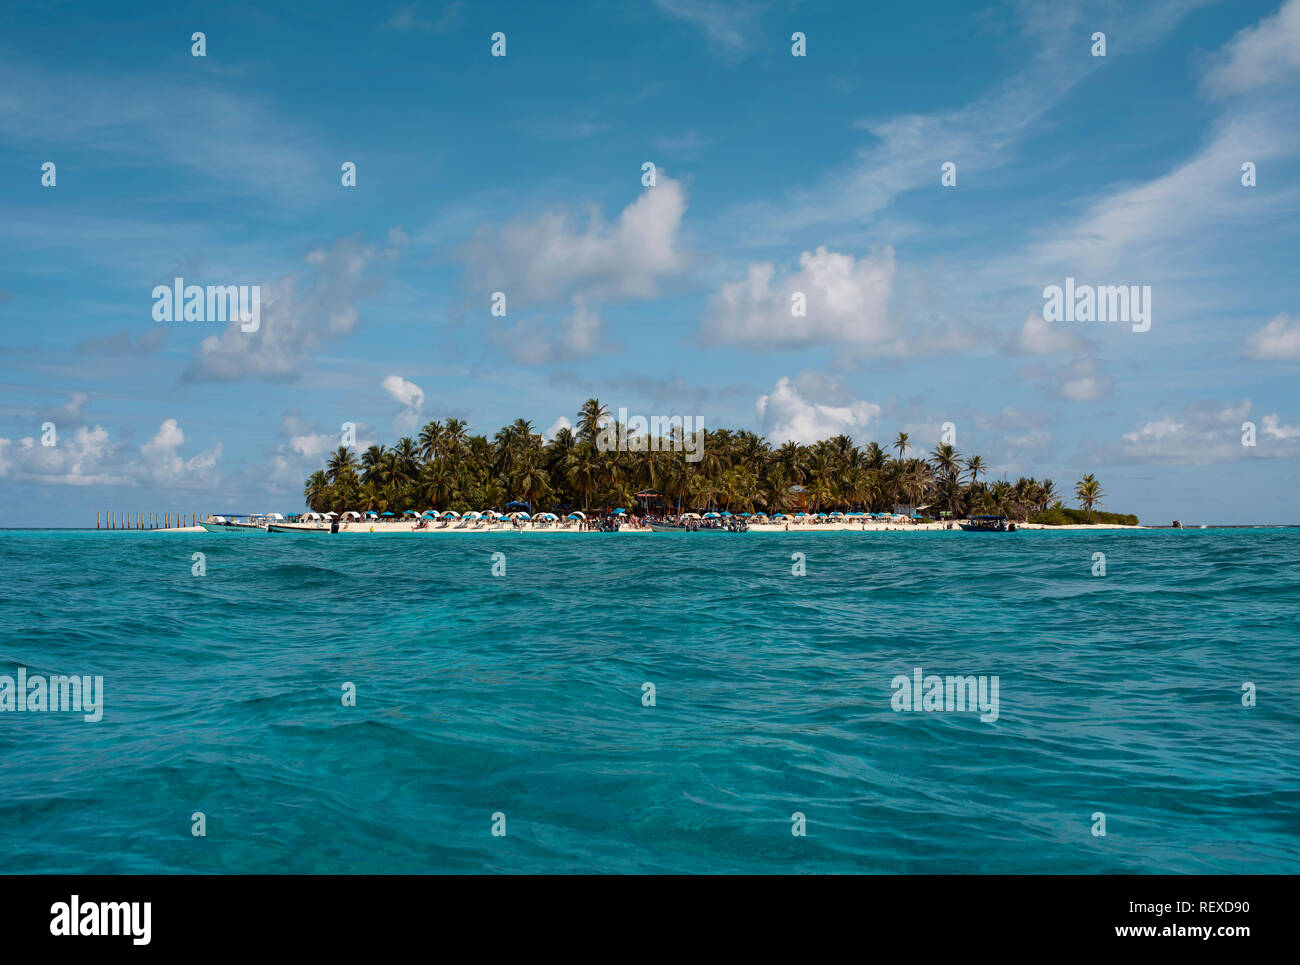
x,y
522,694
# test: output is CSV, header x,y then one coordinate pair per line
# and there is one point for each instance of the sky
x,y
778,179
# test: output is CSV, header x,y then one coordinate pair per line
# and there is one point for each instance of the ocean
x,y
502,723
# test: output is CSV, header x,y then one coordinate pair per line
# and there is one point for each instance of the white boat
x,y
219,524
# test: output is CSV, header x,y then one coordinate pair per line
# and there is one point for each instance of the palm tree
x,y
448,467
373,464
431,440
946,459
591,417
1088,491
316,492
339,462
901,444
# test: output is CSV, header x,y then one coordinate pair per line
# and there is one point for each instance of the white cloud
x,y
296,318
1279,339
727,25
1257,56
846,302
407,393
161,462
905,151
1082,381
409,18
785,414
550,258
70,412
88,457
1209,432
554,428
411,398
1039,337
579,334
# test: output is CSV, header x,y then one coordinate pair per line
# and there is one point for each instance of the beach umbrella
x,y
821,516
836,514
372,515
779,516
760,515
726,513
916,516
575,516
429,515
475,515
800,514
746,514
620,512
386,514
522,516
711,516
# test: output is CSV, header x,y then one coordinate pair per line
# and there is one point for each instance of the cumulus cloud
x,y
69,413
302,448
88,457
554,428
786,415
550,258
1082,381
411,398
300,312
1039,337
845,300
1208,432
579,334
1279,339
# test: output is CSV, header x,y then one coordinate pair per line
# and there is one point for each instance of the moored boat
x,y
219,524
987,524
304,528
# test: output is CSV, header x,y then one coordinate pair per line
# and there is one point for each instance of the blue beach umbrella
x,y
800,514
575,516
725,513
385,514
711,516
620,512
746,514
779,516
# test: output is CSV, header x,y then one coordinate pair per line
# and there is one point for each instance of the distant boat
x,y
987,524
309,529
219,524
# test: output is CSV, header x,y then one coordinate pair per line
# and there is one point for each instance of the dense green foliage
x,y
1060,516
447,468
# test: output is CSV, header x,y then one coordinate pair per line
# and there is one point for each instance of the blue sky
x,y
775,174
